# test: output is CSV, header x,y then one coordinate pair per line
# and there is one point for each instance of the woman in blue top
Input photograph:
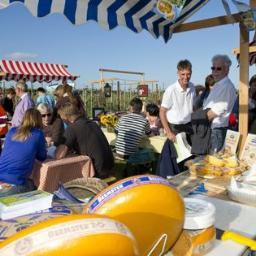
x,y
22,146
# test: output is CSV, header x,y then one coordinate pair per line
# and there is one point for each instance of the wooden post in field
x,y
118,95
91,97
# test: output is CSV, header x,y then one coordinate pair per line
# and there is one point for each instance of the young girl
x,y
152,115
22,146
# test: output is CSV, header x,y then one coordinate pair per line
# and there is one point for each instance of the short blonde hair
x,y
43,107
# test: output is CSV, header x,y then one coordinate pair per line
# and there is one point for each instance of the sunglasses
x,y
216,68
44,115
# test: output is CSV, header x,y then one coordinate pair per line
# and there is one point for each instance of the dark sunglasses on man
x,y
216,68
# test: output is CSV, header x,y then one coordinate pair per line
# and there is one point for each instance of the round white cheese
x,y
199,214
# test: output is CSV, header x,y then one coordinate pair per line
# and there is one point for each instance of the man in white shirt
x,y
220,101
177,103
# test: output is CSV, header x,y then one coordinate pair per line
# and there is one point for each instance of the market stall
x,y
34,71
138,15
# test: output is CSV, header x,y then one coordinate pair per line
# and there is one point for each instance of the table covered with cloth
x,y
48,174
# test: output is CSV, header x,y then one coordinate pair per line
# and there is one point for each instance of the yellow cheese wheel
x,y
148,206
73,235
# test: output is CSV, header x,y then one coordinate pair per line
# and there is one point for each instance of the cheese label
x,y
58,234
126,184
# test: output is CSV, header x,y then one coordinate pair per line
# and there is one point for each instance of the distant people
x,y
86,138
43,97
25,102
130,130
234,116
3,123
22,146
8,103
53,129
152,115
220,101
1,94
199,89
177,103
199,101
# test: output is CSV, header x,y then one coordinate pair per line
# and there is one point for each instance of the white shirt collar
x,y
180,89
223,80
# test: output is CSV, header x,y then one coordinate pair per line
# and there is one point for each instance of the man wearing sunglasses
x,y
220,101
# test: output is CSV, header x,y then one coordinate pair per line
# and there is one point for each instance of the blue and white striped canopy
x,y
134,14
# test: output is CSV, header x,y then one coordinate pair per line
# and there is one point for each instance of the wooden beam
x,y
121,71
207,23
251,49
243,85
103,80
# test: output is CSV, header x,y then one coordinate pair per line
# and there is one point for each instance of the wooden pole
x,y
118,95
91,97
243,85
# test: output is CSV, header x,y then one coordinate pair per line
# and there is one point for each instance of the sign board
x,y
142,90
231,141
249,150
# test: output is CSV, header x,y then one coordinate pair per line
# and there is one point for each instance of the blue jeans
x,y
16,189
218,136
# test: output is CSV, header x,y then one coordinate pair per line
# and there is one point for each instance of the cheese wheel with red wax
x,y
76,235
148,206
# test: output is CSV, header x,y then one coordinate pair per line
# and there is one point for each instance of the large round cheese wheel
x,y
73,235
148,206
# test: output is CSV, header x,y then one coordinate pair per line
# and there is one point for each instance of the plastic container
x,y
199,214
199,225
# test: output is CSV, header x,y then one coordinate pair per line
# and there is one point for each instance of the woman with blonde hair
x,y
22,146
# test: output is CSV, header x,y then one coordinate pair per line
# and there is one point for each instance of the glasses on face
x,y
44,115
216,68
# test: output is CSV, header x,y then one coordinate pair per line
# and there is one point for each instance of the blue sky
x,y
88,47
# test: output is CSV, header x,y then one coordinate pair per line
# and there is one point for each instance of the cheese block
x,y
183,246
216,161
77,235
202,240
194,242
148,206
231,162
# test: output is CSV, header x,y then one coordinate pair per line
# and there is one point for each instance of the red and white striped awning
x,y
33,71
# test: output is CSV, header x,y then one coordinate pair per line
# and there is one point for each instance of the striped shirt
x,y
131,128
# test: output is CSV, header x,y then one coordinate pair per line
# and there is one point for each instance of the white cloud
x,y
21,55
